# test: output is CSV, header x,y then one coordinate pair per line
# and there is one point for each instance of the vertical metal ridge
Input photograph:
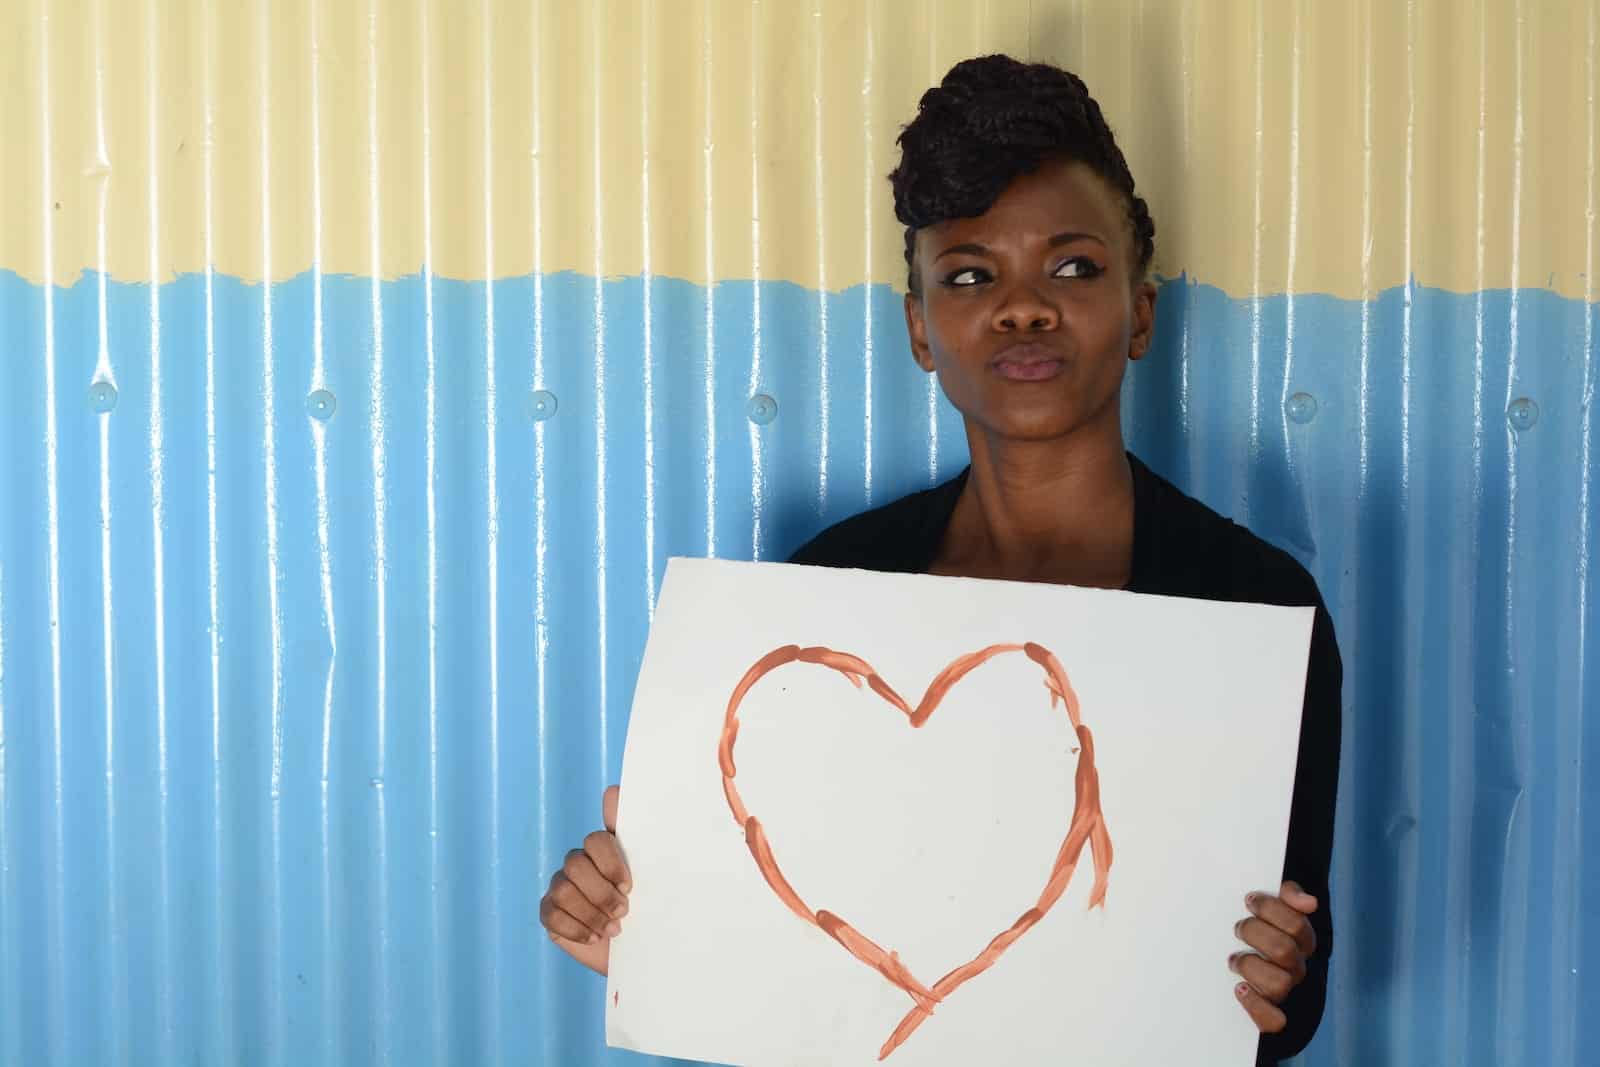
x,y
116,1007
1512,976
167,1023
378,445
648,317
438,1014
333,978
602,472
492,925
874,183
1410,736
11,1020
758,476
1410,271
274,1009
1566,1010
56,882
1363,387
1460,764
1460,845
1292,240
1410,596
1187,24
544,854
441,1018
709,297
1257,235
1343,1037
222,1039
824,355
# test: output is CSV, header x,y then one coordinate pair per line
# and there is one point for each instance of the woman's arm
x,y
1310,846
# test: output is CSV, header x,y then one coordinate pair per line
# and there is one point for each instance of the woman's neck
x,y
1054,511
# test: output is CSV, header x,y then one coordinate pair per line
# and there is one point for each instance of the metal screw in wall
x,y
1302,408
763,409
320,405
102,397
1522,413
542,405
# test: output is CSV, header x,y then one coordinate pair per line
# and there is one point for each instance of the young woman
x,y
1028,250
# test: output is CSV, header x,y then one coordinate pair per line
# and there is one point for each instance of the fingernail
x,y
1240,990
626,887
591,939
1251,899
612,929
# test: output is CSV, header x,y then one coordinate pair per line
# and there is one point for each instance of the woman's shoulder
x,y
902,535
1186,548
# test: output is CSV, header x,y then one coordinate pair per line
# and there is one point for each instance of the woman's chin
x,y
1060,419
1065,427
1044,428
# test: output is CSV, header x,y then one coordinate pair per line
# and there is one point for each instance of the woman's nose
x,y
1025,308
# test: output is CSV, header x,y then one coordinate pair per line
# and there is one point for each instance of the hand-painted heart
x,y
1087,822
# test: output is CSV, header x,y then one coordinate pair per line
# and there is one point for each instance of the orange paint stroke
x,y
1087,825
757,840
867,951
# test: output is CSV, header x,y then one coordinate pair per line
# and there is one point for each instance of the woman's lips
x,y
1028,363
1041,371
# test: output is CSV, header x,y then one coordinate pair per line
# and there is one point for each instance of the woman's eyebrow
x,y
968,249
1070,236
973,249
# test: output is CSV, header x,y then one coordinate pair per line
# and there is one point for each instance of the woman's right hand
x,y
583,908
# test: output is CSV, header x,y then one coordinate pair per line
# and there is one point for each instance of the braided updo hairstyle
x,y
990,121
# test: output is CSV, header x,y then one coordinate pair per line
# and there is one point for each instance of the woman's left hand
x,y
1280,933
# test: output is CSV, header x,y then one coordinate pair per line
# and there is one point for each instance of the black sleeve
x,y
1310,845
858,543
816,552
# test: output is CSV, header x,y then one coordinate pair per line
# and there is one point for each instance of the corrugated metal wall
x,y
360,364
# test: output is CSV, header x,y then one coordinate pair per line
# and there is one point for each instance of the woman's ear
x,y
1144,320
917,331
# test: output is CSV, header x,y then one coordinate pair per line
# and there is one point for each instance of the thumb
x,y
1298,898
608,808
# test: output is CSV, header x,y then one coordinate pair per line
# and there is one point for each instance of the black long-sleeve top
x,y
1180,548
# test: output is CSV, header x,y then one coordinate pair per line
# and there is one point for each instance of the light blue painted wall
x,y
219,845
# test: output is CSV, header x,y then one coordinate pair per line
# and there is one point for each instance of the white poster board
x,y
885,856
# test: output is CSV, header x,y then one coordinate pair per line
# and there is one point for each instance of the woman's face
x,y
1030,311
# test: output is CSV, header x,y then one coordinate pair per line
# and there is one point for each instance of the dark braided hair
x,y
990,121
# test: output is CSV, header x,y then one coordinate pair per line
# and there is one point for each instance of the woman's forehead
x,y
1064,196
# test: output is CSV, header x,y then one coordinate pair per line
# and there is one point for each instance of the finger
x,y
581,870
572,900
561,923
1271,942
1298,898
596,957
1269,1018
605,852
608,807
1290,920
1270,982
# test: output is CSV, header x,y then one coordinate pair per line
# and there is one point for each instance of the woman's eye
x,y
967,276
1079,267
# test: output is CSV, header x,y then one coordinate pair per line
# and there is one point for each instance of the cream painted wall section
x,y
1296,146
